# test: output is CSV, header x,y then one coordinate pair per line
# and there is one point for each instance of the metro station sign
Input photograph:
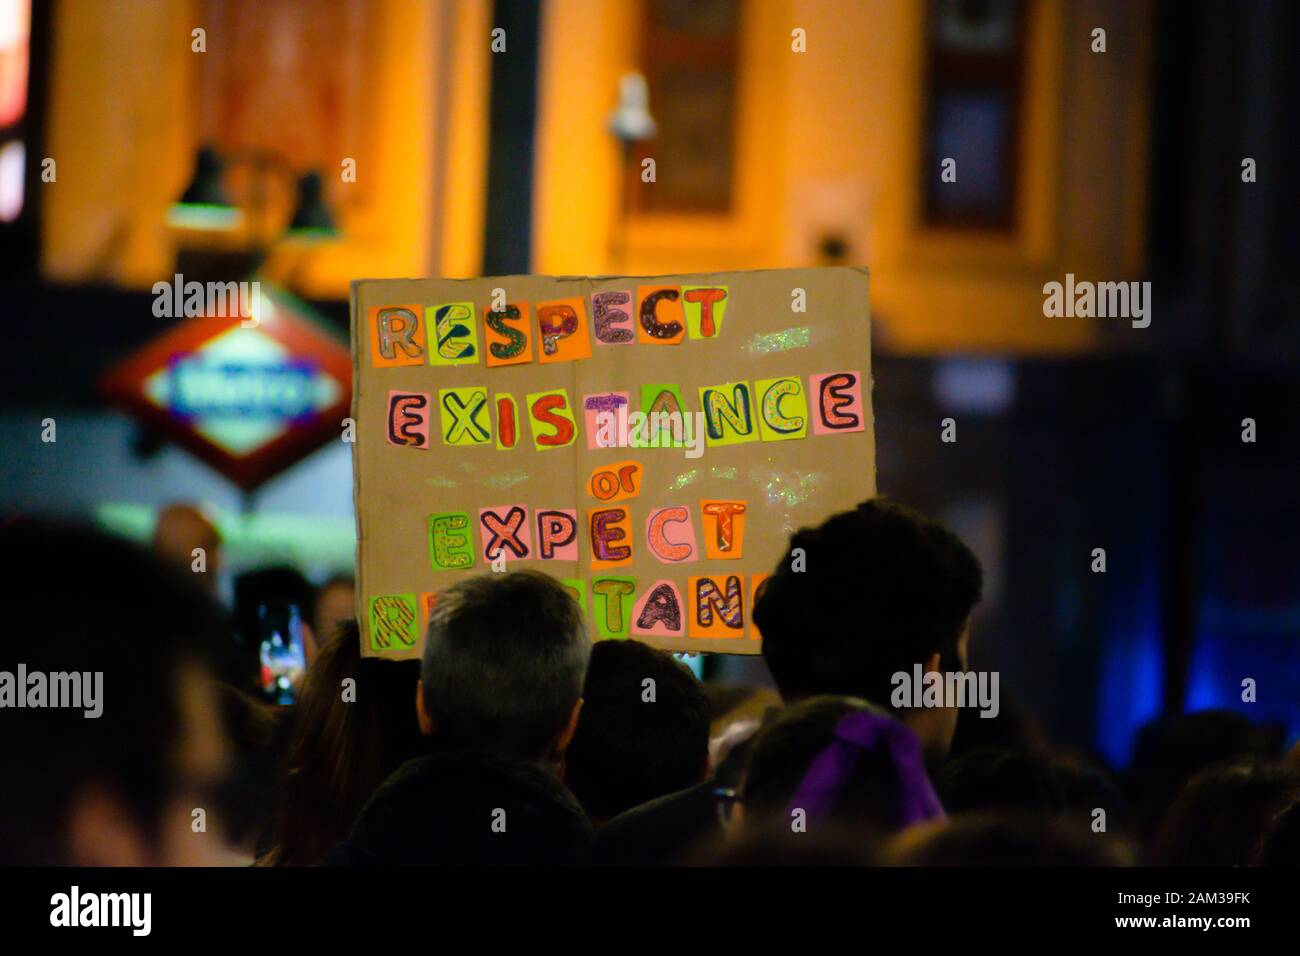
x,y
249,397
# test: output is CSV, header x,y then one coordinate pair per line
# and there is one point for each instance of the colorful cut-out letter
x,y
557,534
659,315
667,424
393,622
507,418
611,312
449,544
577,588
428,601
551,419
504,532
670,535
506,334
717,610
728,414
660,612
466,419
562,328
408,419
605,415
611,600
837,398
724,529
782,408
705,307
611,537
616,482
755,589
397,336
455,334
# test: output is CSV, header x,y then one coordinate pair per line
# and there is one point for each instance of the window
x,y
690,58
284,78
974,66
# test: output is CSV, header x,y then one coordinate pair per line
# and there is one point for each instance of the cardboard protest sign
x,y
650,442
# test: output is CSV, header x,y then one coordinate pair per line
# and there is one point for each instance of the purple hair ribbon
x,y
865,732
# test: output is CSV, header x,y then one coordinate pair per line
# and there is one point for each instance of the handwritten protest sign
x,y
650,442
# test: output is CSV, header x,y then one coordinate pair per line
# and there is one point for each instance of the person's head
x,y
111,649
1000,780
1224,815
868,594
181,533
1011,728
643,732
353,726
835,761
1088,786
1171,750
505,656
1005,839
333,607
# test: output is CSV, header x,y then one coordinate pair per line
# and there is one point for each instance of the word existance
x,y
729,413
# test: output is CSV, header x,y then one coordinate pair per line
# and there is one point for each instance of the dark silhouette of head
x,y
866,595
643,731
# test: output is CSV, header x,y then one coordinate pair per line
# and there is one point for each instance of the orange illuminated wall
x,y
829,143
127,115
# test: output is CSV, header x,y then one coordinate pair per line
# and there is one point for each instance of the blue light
x,y
1130,690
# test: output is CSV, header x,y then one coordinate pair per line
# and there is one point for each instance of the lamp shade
x,y
311,216
204,203
631,121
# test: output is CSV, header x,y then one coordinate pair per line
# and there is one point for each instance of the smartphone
x,y
280,650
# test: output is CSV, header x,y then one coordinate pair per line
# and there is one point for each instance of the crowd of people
x,y
517,739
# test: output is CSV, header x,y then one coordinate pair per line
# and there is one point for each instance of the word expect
x,y
716,603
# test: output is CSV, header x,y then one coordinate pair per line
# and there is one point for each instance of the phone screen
x,y
280,650
695,662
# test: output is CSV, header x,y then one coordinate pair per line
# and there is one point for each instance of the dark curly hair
x,y
875,591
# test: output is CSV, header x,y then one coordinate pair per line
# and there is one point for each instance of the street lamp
x,y
630,123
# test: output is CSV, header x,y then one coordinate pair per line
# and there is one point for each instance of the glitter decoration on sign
x,y
783,341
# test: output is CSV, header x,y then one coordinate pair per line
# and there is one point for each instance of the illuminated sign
x,y
249,398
